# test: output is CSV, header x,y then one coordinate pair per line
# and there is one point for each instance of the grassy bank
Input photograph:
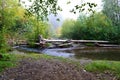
x,y
8,60
12,60
103,66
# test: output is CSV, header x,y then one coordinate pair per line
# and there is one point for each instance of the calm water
x,y
94,53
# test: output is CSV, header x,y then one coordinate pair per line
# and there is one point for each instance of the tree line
x,y
104,25
17,23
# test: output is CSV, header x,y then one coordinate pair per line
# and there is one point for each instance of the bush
x,y
4,57
37,28
7,60
95,27
67,28
3,43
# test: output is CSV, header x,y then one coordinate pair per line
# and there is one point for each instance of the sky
x,y
65,14
66,8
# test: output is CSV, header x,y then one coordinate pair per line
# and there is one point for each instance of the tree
x,y
95,27
8,16
67,28
7,13
112,10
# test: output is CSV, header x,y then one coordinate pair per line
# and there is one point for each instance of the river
x,y
87,53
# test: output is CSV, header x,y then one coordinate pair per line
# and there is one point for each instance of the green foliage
x,y
67,28
8,16
7,13
102,66
95,27
11,59
17,25
2,41
6,61
37,28
4,57
5,64
3,44
111,9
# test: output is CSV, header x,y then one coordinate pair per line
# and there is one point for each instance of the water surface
x,y
94,53
88,53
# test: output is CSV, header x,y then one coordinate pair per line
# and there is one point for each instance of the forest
x,y
20,22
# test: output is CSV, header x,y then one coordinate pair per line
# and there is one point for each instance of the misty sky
x,y
65,14
66,8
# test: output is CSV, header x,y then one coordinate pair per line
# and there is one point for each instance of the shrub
x,y
95,27
3,43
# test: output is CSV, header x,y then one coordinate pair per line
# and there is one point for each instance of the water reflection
x,y
56,52
94,53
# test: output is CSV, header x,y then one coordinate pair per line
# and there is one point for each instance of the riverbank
x,y
32,66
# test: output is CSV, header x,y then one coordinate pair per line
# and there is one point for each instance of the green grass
x,y
7,61
12,60
95,66
102,66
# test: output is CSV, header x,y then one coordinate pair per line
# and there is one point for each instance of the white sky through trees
x,y
65,14
66,8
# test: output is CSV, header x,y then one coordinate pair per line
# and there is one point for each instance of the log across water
x,y
69,43
76,41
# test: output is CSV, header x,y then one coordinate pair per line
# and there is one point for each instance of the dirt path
x,y
48,70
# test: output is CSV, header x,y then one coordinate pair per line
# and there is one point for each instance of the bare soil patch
x,y
42,69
